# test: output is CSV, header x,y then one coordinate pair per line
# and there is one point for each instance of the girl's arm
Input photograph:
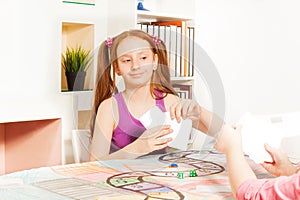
x,y
208,122
203,119
243,180
105,123
238,168
229,142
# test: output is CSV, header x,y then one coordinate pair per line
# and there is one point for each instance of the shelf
x,y
148,16
74,34
77,92
182,78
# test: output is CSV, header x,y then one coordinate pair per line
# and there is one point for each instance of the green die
x,y
193,173
180,175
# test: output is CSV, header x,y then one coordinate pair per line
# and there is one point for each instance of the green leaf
x,y
76,59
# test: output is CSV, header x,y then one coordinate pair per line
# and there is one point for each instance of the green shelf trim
x,y
82,3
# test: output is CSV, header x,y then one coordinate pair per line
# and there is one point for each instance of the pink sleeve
x,y
285,187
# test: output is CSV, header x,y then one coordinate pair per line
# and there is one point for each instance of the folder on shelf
x,y
156,30
191,48
144,27
162,33
172,50
183,94
184,50
168,41
179,51
151,29
183,90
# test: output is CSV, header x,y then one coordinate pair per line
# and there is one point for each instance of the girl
x,y
143,63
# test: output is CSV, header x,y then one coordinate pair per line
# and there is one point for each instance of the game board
x,y
150,178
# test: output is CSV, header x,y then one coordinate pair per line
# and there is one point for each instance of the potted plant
x,y
76,61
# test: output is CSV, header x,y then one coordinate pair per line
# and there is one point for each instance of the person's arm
x,y
229,142
203,120
243,180
101,141
283,187
102,135
149,141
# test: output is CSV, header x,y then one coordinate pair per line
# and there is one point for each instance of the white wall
x,y
30,59
255,46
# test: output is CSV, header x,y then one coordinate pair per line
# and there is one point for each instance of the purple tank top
x,y
129,128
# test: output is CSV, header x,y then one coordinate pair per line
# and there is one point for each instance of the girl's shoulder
x,y
107,104
110,108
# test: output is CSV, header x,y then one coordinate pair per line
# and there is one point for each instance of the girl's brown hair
x,y
107,59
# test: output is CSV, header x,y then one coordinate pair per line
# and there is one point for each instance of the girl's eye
x,y
126,61
143,57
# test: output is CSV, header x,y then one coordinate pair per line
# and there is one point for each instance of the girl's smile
x,y
136,61
135,74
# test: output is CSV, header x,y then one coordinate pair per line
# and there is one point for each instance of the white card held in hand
x,y
258,130
181,131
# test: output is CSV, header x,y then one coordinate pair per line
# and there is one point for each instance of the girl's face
x,y
135,61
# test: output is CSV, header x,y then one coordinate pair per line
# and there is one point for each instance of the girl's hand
x,y
229,139
152,139
185,108
281,165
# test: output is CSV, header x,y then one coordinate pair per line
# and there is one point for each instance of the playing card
x,y
181,131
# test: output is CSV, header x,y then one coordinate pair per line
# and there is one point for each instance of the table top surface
x,y
198,175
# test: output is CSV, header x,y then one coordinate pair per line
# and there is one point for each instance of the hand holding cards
x,y
181,131
258,130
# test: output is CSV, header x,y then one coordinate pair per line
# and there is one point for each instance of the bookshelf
x,y
176,29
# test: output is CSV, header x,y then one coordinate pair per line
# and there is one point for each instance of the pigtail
x,y
161,76
105,85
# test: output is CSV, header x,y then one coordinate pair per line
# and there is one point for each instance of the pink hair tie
x,y
109,42
156,40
